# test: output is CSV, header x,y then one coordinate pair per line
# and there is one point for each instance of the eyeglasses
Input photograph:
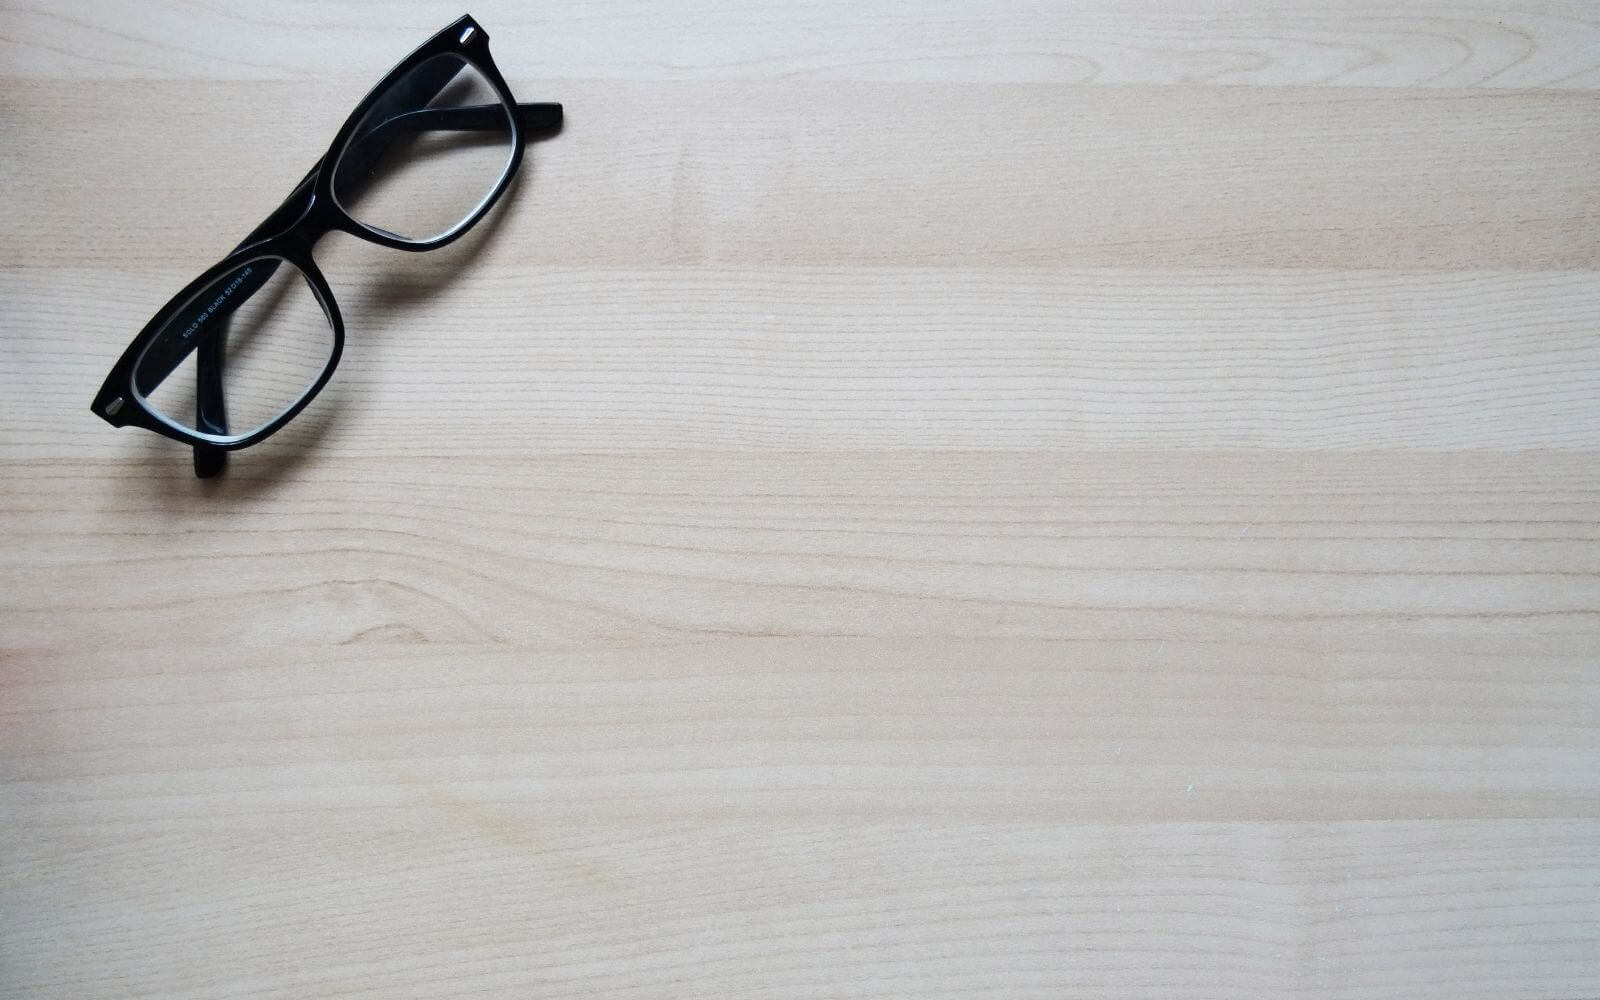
x,y
246,345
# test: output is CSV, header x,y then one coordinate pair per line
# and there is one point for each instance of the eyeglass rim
x,y
320,291
466,39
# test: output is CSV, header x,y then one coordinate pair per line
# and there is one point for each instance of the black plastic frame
x,y
290,232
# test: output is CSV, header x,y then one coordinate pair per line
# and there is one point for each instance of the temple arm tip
x,y
539,120
209,461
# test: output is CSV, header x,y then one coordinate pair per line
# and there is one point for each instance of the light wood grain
x,y
1358,43
966,500
784,174
580,360
626,548
779,816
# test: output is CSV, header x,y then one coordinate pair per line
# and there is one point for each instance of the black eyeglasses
x,y
245,346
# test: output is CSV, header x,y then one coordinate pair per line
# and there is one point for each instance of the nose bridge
x,y
317,219
292,215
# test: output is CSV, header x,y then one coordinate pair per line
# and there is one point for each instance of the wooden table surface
x,y
925,501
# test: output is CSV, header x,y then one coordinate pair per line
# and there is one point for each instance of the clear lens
x,y
260,331
427,154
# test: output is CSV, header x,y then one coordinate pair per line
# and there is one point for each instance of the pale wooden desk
x,y
974,501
